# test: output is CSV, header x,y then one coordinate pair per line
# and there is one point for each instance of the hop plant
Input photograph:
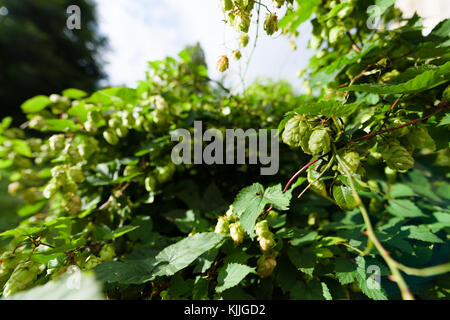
x,y
237,232
57,142
111,136
107,253
237,55
243,39
319,141
222,225
150,183
22,277
261,228
397,157
297,133
222,63
265,265
271,24
351,161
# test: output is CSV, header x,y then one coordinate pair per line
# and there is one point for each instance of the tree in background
x,y
39,54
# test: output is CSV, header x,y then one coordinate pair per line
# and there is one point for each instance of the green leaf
x,y
312,291
326,292
20,232
421,233
400,190
328,108
404,208
126,272
21,147
303,259
445,120
231,275
425,81
344,197
102,233
36,104
76,286
181,254
251,200
348,272
63,125
74,93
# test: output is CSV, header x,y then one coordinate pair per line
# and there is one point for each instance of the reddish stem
x,y
295,176
441,107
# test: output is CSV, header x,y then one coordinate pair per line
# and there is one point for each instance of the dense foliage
x,y
366,151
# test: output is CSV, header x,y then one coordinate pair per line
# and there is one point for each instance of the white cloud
x,y
143,30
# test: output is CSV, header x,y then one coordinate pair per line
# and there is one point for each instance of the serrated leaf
x,y
303,259
424,81
344,197
251,200
20,232
231,275
421,233
126,272
181,254
404,208
400,190
328,108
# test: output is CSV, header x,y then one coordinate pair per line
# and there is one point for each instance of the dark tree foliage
x,y
39,54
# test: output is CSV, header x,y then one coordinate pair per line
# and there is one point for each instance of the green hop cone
x,y
420,138
37,123
131,170
107,253
50,189
278,3
261,228
150,183
243,39
351,161
22,277
29,195
128,120
237,55
237,232
94,116
222,225
317,186
91,262
57,142
90,127
111,137
226,5
266,242
222,63
296,133
397,157
75,174
265,265
121,131
72,203
14,188
271,24
242,22
165,173
59,175
319,142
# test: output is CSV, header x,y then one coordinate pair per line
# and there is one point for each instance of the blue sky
x,y
144,30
